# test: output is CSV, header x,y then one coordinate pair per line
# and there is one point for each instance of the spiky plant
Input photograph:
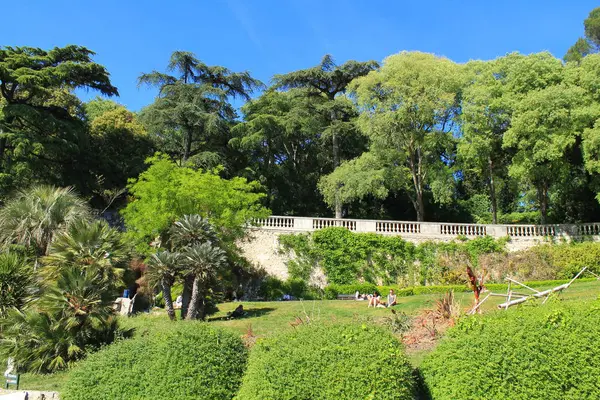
x,y
93,247
17,283
33,217
203,263
189,231
163,268
69,320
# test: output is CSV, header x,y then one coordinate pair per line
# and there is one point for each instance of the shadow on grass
x,y
249,313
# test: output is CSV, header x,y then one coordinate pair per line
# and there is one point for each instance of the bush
x,y
190,360
534,352
325,362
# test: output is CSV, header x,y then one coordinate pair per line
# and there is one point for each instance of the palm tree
x,y
93,247
35,216
17,283
162,270
189,231
71,318
203,263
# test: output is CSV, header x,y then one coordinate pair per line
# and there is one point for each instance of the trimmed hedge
x,y
332,291
541,352
328,362
191,360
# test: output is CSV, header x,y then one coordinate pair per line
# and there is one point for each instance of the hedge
x,y
332,291
191,360
535,352
328,362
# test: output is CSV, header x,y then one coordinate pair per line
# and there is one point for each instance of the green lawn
x,y
268,318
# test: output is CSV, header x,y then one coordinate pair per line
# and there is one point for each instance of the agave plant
x,y
91,246
35,216
162,270
203,263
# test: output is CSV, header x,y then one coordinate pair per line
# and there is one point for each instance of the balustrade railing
x,y
397,227
463,229
427,229
530,230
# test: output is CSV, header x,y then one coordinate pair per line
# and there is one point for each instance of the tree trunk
x,y
194,301
336,163
2,146
186,295
543,199
493,192
187,144
166,289
420,207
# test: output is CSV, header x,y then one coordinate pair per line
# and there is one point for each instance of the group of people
x,y
374,299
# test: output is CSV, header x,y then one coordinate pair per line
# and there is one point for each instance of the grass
x,y
269,318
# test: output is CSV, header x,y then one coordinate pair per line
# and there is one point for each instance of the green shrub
x,y
328,362
534,352
191,360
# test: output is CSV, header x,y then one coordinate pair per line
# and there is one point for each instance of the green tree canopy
x,y
166,192
191,115
407,112
330,80
42,136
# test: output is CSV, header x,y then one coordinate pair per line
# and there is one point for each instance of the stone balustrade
x,y
429,229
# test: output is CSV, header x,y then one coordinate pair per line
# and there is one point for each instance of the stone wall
x,y
262,249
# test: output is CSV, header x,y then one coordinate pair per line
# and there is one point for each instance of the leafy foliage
x,y
166,192
536,347
35,215
328,362
186,361
17,283
72,318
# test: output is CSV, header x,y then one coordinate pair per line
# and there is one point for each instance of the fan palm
x,y
17,283
91,246
162,270
70,319
35,216
203,263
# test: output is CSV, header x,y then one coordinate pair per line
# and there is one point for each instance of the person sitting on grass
x,y
391,299
374,300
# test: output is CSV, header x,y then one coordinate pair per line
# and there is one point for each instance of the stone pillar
x,y
366,226
430,229
303,224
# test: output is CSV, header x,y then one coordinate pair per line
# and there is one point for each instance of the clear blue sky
x,y
267,37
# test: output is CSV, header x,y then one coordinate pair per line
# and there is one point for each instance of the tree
x,y
282,140
122,145
35,216
163,268
329,80
407,108
485,118
90,246
545,126
203,263
588,44
70,319
187,232
166,192
192,107
42,136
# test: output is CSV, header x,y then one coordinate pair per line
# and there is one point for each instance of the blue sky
x,y
267,37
